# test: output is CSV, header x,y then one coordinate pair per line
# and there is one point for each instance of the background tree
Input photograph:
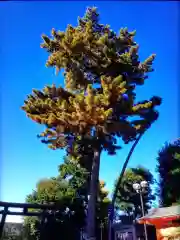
x,y
69,191
128,200
77,169
70,212
101,71
168,168
78,178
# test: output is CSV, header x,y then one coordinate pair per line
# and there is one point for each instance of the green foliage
x,y
77,169
102,205
68,190
168,168
100,67
70,207
127,198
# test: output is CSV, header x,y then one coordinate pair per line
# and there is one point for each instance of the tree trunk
x,y
94,186
111,214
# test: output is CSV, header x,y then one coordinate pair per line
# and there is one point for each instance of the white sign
x,y
124,235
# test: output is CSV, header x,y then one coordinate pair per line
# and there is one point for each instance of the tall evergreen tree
x,y
98,104
168,168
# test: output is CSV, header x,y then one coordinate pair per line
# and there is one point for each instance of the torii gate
x,y
25,206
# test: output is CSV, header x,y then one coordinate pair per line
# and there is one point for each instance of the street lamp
x,y
140,188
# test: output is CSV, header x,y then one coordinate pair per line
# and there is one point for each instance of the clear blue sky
x,y
24,160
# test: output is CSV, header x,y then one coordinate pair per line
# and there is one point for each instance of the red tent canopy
x,y
166,220
162,217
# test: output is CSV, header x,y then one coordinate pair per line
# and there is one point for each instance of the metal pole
x,y
143,213
101,229
110,230
110,221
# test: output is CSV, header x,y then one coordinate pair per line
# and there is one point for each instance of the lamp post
x,y
101,228
140,188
